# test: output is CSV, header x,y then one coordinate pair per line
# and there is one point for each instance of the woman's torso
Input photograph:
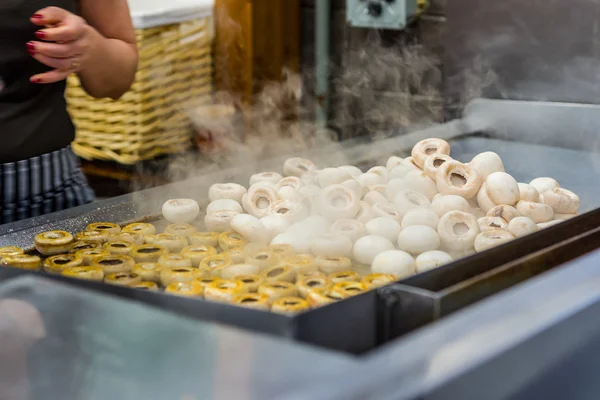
x,y
33,118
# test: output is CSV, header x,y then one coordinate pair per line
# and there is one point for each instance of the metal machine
x,y
515,322
383,14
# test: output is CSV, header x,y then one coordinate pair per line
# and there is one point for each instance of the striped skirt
x,y
42,185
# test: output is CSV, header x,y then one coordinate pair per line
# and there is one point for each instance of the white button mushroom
x,y
395,262
490,223
368,247
458,230
332,176
274,225
393,162
548,224
505,212
477,212
373,198
337,202
258,199
379,189
433,163
292,211
420,216
427,148
356,187
444,203
297,166
483,200
400,171
432,260
382,172
395,186
224,204
289,193
384,227
250,228
421,183
492,238
387,211
528,193
538,212
291,181
417,239
365,214
459,179
369,179
180,211
352,170
487,163
272,177
219,221
407,200
331,245
544,184
232,271
231,191
300,243
562,201
521,226
353,229
410,163
502,189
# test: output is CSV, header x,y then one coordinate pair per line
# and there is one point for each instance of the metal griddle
x,y
362,323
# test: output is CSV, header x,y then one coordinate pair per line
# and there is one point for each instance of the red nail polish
x,y
31,48
40,35
36,80
37,16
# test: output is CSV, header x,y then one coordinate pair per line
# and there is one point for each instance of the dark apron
x,y
41,185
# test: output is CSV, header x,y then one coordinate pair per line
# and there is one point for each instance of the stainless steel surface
x,y
500,348
539,50
97,347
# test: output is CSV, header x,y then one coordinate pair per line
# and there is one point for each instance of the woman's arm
x,y
100,46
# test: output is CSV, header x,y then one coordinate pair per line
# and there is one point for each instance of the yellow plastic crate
x,y
175,69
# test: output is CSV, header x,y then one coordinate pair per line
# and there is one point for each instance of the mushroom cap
x,y
502,189
396,262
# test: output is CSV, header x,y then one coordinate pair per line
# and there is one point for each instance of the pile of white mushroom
x,y
406,217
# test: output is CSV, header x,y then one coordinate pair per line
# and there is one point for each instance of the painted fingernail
x,y
37,16
31,48
40,35
36,80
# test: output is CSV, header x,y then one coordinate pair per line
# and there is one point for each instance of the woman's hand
x,y
64,43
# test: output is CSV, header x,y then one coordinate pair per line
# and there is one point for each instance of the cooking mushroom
x,y
53,242
250,228
538,212
395,262
297,166
491,223
400,171
393,162
407,200
219,221
338,202
236,270
486,164
521,226
427,148
365,214
528,192
224,290
459,179
420,216
457,230
180,211
272,177
332,176
491,238
231,191
372,198
561,200
386,210
289,305
433,163
418,239
502,188
483,200
505,212
544,184
368,247
254,301
384,227
420,182
431,260
224,204
258,199
352,170
445,203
